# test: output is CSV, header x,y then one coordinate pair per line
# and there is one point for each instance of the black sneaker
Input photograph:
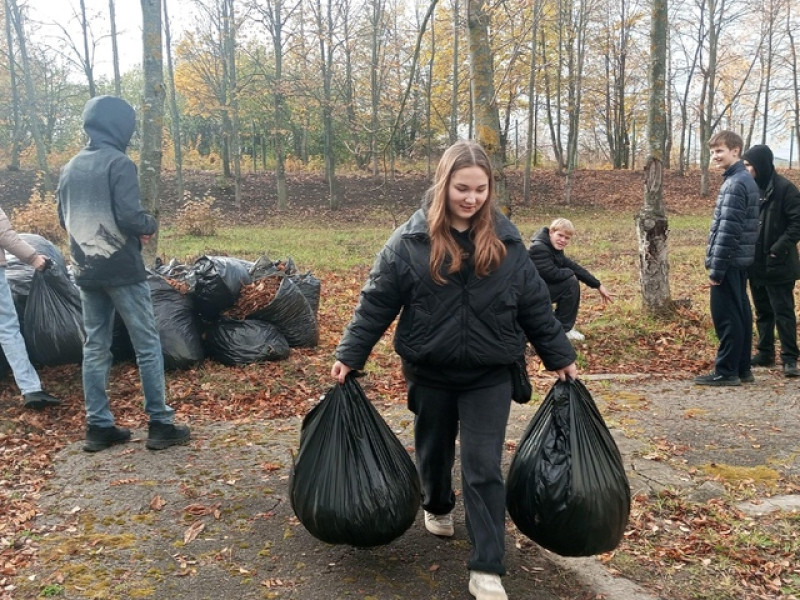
x,y
100,438
39,400
163,435
715,378
747,377
762,360
790,370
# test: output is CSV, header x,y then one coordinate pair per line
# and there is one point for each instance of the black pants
x,y
774,305
566,295
482,415
733,323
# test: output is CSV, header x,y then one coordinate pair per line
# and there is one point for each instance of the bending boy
x,y
563,275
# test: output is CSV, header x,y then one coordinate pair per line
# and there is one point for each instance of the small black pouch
x,y
521,388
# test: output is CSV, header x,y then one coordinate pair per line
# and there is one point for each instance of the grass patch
x,y
735,474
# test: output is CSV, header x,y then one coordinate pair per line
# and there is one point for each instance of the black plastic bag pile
x,y
212,286
352,482
566,488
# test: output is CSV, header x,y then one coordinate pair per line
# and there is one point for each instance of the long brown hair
x,y
489,250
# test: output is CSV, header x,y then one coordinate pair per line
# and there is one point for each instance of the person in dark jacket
x,y
777,265
562,275
730,251
100,207
468,297
11,340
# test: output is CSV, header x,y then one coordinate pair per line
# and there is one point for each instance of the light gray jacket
x,y
13,244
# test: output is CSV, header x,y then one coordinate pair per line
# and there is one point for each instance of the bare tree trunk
x,y
112,19
325,36
706,108
651,223
229,45
175,115
795,77
429,100
530,156
16,134
378,11
31,105
487,119
768,57
152,116
88,68
453,130
273,16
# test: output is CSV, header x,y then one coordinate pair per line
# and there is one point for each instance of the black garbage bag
x,y
291,313
566,487
352,481
177,323
235,342
53,323
264,267
20,275
311,288
216,282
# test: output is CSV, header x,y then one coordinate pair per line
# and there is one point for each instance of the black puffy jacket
x,y
463,324
776,258
553,265
734,228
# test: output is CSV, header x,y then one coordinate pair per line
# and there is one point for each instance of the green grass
x,y
605,242
314,247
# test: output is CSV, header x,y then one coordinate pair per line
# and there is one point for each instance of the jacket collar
x,y
417,225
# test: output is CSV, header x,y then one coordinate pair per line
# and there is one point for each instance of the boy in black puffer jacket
x,y
730,251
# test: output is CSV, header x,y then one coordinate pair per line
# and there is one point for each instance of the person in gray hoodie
x,y
99,205
11,340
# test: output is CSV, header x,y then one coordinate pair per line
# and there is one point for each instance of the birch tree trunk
x,y
651,223
152,117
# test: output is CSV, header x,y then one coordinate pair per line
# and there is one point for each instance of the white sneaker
x,y
439,524
486,586
575,335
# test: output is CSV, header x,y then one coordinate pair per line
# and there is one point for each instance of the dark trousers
x,y
733,323
566,295
482,416
774,305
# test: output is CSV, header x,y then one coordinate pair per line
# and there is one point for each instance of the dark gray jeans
x,y
482,415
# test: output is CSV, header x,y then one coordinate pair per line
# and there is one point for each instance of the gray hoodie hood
x,y
109,121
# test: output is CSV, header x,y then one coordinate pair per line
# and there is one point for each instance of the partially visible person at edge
x,y
468,296
730,251
562,275
11,340
777,265
100,207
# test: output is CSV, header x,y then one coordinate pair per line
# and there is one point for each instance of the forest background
x,y
339,85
